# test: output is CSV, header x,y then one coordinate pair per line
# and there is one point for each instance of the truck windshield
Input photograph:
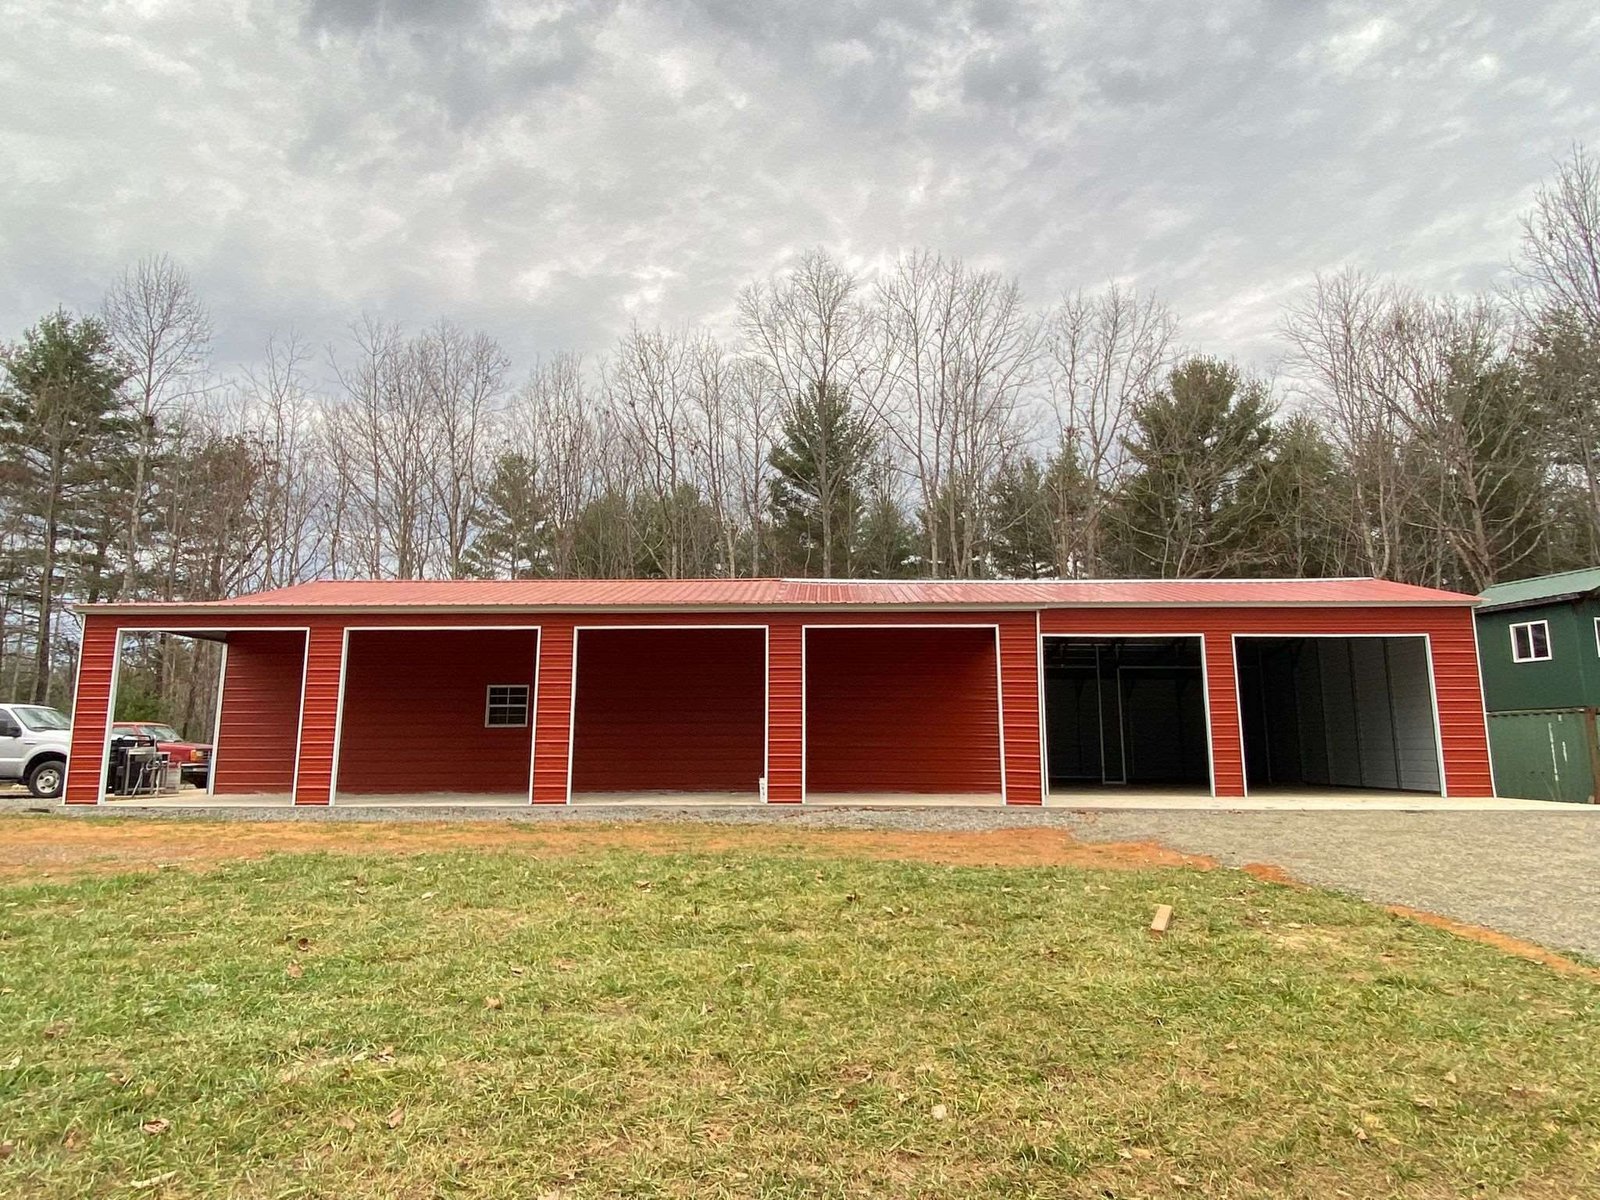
x,y
163,733
37,716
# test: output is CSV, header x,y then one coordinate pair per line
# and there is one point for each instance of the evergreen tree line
x,y
924,421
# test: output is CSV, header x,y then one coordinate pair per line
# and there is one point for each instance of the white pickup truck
x,y
33,747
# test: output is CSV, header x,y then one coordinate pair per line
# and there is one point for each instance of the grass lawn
x,y
748,1023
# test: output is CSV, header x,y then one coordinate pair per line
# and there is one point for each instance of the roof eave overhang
x,y
224,612
1540,602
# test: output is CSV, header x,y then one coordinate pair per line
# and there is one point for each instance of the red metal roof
x,y
803,593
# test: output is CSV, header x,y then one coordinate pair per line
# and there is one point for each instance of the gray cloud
x,y
549,172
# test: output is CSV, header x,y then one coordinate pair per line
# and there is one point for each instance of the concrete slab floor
x,y
906,800
198,799
434,799
1299,800
669,799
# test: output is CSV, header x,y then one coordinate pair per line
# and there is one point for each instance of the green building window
x,y
1530,641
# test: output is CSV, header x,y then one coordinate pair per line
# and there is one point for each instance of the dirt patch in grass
x,y
1268,873
1500,941
73,847
1504,942
58,848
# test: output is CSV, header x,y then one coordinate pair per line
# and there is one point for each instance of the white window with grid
x,y
506,706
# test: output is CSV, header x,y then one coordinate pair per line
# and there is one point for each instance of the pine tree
x,y
818,493
1021,534
512,542
63,429
885,543
1195,502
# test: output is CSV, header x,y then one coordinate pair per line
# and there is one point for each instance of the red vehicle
x,y
192,759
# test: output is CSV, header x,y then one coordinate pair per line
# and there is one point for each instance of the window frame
x,y
1532,656
507,705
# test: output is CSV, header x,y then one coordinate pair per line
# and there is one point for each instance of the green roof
x,y
1543,589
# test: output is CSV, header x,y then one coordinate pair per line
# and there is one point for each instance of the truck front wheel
x,y
45,778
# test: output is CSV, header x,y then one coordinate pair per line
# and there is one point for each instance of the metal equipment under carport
x,y
1125,711
1344,712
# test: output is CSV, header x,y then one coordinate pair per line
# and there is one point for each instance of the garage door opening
x,y
437,716
1338,712
902,712
163,732
1126,712
669,714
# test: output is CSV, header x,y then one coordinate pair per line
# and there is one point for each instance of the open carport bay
x,y
1125,711
1346,712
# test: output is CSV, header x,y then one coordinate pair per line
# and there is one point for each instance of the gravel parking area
x,y
1533,875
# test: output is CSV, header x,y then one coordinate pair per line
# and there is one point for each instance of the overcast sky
x,y
549,172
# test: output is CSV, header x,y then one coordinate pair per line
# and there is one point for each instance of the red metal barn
x,y
554,691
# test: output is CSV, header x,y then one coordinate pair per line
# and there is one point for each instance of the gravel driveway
x,y
1534,875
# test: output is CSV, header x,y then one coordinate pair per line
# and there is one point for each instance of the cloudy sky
x,y
550,171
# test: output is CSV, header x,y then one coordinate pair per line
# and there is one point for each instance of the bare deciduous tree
x,y
163,333
811,333
1105,352
959,355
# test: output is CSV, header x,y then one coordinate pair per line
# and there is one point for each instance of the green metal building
x,y
1539,650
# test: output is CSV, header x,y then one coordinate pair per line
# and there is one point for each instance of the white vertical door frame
x,y
216,722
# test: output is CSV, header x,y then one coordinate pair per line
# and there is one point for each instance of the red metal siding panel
x,y
669,710
1455,668
1222,697
319,713
902,710
785,712
553,713
1461,722
91,704
260,719
1019,676
414,712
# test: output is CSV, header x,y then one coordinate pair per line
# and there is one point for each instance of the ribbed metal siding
x,y
1461,719
1019,689
902,710
669,710
260,720
1455,668
414,712
90,707
319,713
1222,692
553,713
785,712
